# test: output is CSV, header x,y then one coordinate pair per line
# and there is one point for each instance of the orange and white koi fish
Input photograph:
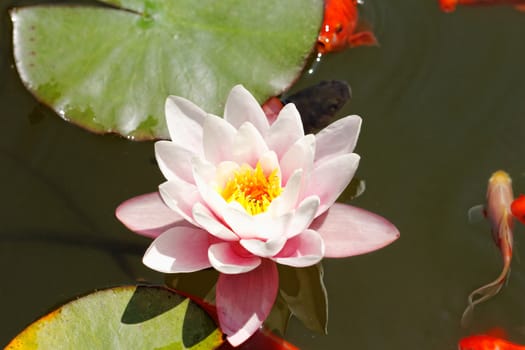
x,y
518,208
487,342
450,5
341,27
499,198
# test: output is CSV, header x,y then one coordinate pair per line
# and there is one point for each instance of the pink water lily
x,y
242,195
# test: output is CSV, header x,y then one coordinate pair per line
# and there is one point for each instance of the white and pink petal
x,y
174,160
180,249
285,131
207,221
305,249
148,215
269,227
205,175
287,200
340,137
299,156
329,179
242,107
218,136
242,223
261,226
248,145
348,231
180,197
224,173
244,301
264,249
303,216
270,163
231,258
185,120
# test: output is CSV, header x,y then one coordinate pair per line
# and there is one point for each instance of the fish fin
x,y
362,39
520,7
363,35
506,240
476,214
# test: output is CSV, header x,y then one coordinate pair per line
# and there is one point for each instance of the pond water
x,y
443,106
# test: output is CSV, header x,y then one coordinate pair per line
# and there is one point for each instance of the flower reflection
x,y
242,195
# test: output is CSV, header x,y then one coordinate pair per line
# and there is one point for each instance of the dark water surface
x,y
443,104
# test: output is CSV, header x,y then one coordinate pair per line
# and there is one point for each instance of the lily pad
x,y
111,69
127,317
305,294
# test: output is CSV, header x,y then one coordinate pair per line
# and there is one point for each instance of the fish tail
x,y
489,290
480,295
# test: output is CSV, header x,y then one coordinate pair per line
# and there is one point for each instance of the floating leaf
x,y
127,317
277,320
304,291
111,69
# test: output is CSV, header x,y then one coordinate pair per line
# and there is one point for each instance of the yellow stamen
x,y
252,189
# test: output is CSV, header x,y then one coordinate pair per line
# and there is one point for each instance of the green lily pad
x,y
127,317
305,294
111,69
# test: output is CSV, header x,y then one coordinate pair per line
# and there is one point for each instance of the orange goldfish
x,y
518,208
499,198
487,342
341,27
450,5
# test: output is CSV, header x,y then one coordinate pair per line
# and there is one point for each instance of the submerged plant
x,y
242,195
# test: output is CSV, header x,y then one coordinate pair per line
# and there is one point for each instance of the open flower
x,y
242,195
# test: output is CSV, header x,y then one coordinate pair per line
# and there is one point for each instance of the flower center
x,y
252,189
